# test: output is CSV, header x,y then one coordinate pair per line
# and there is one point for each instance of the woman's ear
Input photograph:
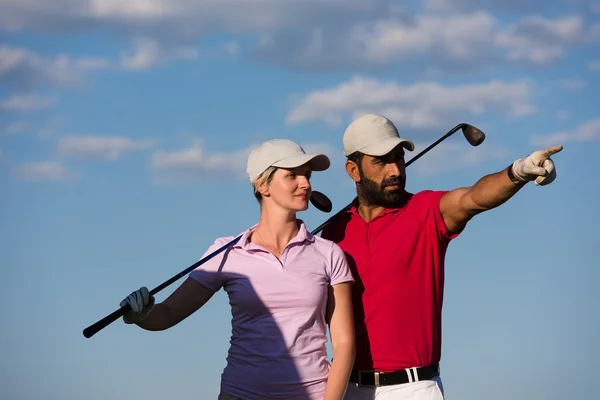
x,y
263,188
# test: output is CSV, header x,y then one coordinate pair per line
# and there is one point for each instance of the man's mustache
x,y
392,182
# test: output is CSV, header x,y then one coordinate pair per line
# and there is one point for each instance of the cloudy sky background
x,y
124,132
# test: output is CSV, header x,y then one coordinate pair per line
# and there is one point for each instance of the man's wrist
x,y
513,178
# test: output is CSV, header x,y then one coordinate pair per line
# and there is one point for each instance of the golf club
x,y
321,202
318,199
473,135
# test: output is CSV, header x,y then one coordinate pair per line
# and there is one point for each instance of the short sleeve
x,y
433,200
339,268
210,274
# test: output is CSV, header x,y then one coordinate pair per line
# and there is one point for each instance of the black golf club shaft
x,y
319,200
412,160
104,322
432,145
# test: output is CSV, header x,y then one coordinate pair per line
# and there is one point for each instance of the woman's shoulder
x,y
328,246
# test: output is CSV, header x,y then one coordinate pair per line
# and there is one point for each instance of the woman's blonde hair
x,y
263,179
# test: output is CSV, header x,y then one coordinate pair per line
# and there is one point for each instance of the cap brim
x,y
318,162
382,147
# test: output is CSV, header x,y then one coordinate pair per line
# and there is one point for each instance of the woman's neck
x,y
276,228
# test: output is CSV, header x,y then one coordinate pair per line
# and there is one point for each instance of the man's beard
x,y
374,194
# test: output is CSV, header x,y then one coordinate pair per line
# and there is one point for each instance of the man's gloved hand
x,y
537,166
141,303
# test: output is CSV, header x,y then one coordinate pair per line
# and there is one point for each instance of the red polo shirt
x,y
397,260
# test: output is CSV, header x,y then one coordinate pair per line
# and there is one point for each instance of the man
x,y
396,243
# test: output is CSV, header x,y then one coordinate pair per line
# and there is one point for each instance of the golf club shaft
x,y
104,322
415,158
432,145
322,204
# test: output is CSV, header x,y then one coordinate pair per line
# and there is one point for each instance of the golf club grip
x,y
104,322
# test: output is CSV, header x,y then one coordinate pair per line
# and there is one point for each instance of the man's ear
x,y
353,171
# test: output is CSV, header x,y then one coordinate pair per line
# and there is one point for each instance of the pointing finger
x,y
548,151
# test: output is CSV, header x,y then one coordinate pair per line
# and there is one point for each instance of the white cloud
x,y
104,148
16,128
22,68
448,42
195,163
540,40
424,105
43,171
231,48
584,132
573,84
149,52
594,65
25,102
451,35
180,17
466,5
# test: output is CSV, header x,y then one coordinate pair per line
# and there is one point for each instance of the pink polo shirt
x,y
278,313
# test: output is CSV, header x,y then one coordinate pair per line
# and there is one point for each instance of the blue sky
x,y
124,131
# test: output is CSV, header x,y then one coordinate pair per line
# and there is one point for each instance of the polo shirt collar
x,y
354,210
302,235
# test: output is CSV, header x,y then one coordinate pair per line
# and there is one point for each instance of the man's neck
x,y
368,212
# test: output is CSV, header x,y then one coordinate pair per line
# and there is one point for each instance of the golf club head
x,y
473,135
321,202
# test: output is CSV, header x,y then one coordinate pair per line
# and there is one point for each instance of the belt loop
x,y
376,378
416,374
359,375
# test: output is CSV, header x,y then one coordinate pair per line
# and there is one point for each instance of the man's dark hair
x,y
357,157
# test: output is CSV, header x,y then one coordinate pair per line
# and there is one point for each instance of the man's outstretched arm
x,y
460,205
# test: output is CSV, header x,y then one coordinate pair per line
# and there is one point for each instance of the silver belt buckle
x,y
376,378
375,374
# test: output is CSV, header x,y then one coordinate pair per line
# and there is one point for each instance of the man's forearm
x,y
492,191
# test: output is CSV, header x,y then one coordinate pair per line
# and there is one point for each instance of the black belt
x,y
371,378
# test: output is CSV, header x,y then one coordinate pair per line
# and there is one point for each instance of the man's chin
x,y
394,198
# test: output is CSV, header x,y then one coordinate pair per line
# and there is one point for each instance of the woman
x,y
284,285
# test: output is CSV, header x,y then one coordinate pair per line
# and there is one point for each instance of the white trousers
x,y
422,390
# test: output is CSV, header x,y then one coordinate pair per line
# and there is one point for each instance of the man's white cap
x,y
373,135
282,153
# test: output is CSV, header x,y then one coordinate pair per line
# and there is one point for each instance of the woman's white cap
x,y
282,153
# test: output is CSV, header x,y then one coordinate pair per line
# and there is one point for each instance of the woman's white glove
x,y
141,303
537,166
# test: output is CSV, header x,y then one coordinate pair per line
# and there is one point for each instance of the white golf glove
x,y
141,303
538,167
